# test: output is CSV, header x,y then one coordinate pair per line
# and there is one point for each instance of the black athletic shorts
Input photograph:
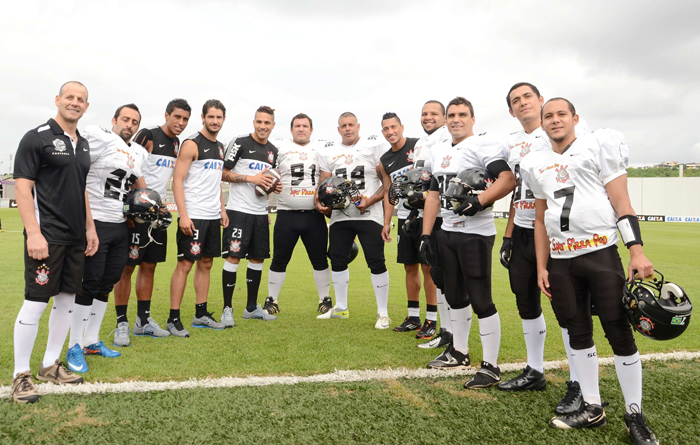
x,y
408,249
292,224
247,236
205,242
153,252
104,269
369,233
62,271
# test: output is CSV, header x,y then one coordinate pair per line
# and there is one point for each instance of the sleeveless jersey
x,y
114,167
579,217
202,184
245,156
359,164
397,163
298,167
476,151
161,161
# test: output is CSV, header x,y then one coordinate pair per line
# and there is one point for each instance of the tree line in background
x,y
661,172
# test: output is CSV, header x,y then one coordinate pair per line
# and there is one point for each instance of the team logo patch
x,y
59,145
42,274
143,197
303,156
176,148
678,321
409,155
134,252
646,325
446,161
235,245
270,156
129,161
562,174
525,149
348,159
221,152
195,249
488,183
329,189
425,176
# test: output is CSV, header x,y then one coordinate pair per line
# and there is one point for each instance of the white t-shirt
x,y
298,165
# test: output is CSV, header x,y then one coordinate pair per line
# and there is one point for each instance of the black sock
x,y
228,282
144,311
253,279
121,314
200,310
174,314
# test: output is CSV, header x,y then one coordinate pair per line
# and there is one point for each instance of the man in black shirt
x,y
51,168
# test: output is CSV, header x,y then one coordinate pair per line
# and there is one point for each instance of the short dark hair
x,y
132,106
266,109
178,103
60,90
571,106
213,103
459,100
442,107
347,114
518,85
302,116
390,115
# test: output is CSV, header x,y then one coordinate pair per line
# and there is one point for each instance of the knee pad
x,y
606,294
438,277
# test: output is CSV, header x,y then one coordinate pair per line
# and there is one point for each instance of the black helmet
x,y
472,181
354,250
144,205
338,193
410,186
656,308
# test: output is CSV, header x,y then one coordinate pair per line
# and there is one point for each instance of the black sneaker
x,y
637,428
590,416
325,305
450,359
428,330
529,380
572,401
271,306
444,338
409,324
487,375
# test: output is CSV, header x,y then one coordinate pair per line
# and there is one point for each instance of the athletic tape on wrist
x,y
628,226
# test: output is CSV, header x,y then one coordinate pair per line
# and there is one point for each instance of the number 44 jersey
x,y
298,165
114,168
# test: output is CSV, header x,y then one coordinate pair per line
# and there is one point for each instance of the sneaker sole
x,y
538,387
481,386
208,327
447,368
105,356
121,346
564,426
152,336
29,400
424,337
50,380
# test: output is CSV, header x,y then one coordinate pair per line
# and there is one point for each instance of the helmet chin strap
x,y
671,291
150,237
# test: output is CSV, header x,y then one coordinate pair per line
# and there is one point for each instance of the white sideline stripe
x,y
334,377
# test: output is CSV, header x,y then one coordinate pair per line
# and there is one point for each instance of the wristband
x,y
628,226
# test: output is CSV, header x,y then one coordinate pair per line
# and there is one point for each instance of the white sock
x,y
414,312
59,324
275,280
81,315
340,286
323,283
381,291
230,267
461,324
92,329
26,328
490,331
586,363
444,310
535,332
629,374
572,370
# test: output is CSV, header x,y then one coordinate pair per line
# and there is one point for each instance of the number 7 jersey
x,y
579,217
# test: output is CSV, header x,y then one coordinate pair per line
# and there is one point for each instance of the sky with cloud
x,y
629,65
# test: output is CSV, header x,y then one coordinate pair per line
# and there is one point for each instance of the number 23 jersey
x,y
298,165
579,217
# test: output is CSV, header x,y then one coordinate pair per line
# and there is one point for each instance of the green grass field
x,y
410,411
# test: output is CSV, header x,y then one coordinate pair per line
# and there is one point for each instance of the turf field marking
x,y
334,377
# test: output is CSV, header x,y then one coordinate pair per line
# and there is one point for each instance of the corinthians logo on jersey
x,y
446,161
42,275
59,145
562,174
195,249
235,245
348,159
525,149
134,252
270,156
409,155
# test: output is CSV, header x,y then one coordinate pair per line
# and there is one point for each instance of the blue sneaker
x,y
75,359
99,348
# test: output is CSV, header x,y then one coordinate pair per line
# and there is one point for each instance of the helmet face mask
x,y
410,186
338,193
469,182
144,205
656,308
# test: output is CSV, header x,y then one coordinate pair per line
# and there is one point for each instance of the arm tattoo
x,y
380,191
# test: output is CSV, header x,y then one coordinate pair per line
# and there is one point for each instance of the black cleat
x,y
428,330
450,359
487,375
572,401
271,306
590,416
529,380
637,428
409,324
325,305
444,338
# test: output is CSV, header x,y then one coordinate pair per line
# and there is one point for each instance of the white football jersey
x,y
298,166
359,164
114,167
424,144
579,217
476,151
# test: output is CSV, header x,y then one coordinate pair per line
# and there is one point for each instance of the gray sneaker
x,y
152,329
121,336
207,321
258,314
227,317
176,328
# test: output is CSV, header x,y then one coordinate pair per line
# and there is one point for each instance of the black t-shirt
x,y
398,162
246,156
46,156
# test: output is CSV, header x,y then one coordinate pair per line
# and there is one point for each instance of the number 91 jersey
x,y
114,167
358,164
298,165
579,217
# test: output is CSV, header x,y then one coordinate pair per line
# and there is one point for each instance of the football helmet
x,y
472,181
354,250
144,205
656,308
338,193
411,187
